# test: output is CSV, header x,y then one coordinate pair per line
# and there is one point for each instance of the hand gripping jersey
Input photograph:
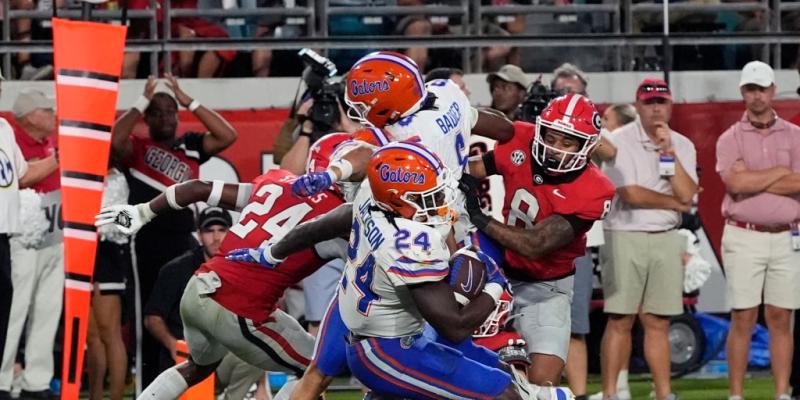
x,y
532,196
444,128
250,290
383,257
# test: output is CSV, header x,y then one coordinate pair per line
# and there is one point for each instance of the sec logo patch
x,y
517,157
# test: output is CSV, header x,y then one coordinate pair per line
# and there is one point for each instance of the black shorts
x,y
112,263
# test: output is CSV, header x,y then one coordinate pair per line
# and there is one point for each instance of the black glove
x,y
469,185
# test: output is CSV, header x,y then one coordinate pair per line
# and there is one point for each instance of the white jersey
x,y
382,259
444,129
12,167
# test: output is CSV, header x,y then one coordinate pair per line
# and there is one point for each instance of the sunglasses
x,y
654,88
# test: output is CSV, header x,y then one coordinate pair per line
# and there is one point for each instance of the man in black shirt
x,y
162,312
153,163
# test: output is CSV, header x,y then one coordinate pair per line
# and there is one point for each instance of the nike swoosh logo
x,y
557,192
467,287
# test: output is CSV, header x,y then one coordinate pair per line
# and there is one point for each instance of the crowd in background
x,y
652,166
266,62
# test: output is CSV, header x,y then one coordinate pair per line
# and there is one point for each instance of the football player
x,y
553,194
395,282
386,90
230,305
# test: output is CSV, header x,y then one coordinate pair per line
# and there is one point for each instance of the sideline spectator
x,y
15,173
162,313
759,246
654,172
37,270
304,135
614,117
152,164
568,78
794,379
454,74
106,351
508,86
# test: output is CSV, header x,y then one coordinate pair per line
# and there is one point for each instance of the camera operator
x,y
535,101
319,112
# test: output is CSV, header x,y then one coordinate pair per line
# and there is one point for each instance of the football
x,y
467,275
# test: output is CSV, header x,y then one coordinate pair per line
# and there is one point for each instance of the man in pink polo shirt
x,y
758,158
37,273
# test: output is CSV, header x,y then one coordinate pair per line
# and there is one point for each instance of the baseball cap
x,y
30,100
510,73
214,216
757,73
653,88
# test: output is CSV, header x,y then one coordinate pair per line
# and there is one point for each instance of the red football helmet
x,y
383,87
497,320
408,179
573,116
321,152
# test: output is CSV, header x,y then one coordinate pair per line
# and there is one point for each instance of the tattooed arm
x,y
548,235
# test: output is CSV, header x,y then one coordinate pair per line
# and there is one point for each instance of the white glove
x,y
128,219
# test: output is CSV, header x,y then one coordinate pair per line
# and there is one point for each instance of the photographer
x,y
319,112
308,132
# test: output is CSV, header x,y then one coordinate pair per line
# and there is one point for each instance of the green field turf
x,y
759,388
687,389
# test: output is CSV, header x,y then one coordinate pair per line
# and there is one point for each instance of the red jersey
x,y
250,290
532,196
34,150
153,167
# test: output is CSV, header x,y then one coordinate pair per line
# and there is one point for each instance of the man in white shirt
x,y
14,174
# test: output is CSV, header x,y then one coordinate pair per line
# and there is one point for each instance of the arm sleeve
x,y
489,163
622,170
19,161
579,225
688,158
727,152
194,142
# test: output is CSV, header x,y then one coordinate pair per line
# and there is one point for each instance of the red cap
x,y
652,88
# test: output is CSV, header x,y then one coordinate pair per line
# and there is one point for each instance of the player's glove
x,y
469,185
128,219
312,183
262,256
496,281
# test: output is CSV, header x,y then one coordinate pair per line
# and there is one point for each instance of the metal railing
x,y
469,35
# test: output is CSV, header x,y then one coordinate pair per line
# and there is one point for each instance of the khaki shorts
x,y
760,266
280,344
643,269
543,315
